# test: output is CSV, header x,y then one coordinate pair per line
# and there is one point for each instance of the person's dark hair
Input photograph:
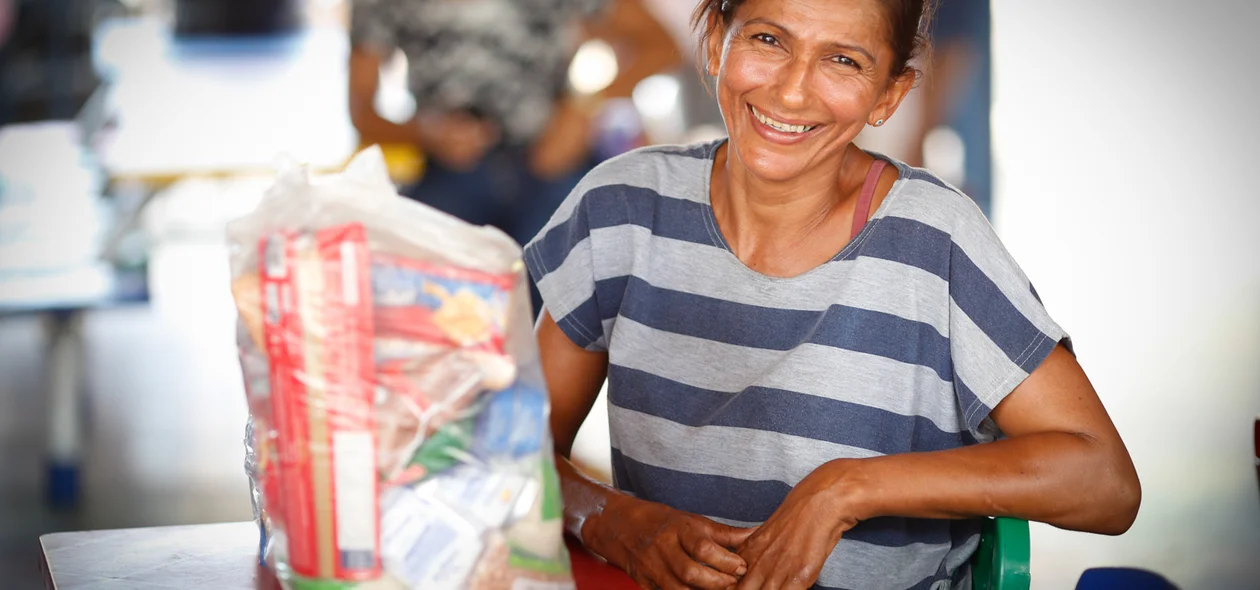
x,y
907,22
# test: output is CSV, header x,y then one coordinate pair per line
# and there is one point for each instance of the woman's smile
x,y
782,130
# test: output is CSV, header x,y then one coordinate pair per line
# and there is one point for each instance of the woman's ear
x,y
713,45
897,90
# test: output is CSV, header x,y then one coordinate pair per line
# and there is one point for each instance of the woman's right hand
x,y
664,548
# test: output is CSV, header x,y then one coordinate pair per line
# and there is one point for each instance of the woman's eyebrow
x,y
834,45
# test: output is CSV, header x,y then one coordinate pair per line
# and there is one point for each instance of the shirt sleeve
x,y
561,260
372,26
999,330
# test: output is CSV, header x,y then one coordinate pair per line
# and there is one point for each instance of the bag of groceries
x,y
398,433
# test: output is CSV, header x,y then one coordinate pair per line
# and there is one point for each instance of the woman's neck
x,y
765,222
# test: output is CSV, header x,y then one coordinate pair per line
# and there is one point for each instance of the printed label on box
x,y
445,305
318,332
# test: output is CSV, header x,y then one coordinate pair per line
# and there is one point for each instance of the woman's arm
x,y
574,376
1063,463
658,546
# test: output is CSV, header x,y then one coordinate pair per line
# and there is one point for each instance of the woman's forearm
x,y
584,497
1068,480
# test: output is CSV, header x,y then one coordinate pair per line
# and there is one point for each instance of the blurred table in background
x,y
220,556
175,108
54,226
172,107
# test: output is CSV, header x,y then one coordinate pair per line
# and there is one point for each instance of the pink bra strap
x,y
862,210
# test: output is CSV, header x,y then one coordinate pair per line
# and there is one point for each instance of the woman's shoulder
x,y
922,196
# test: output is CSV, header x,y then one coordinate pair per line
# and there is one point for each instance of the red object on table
x,y
590,573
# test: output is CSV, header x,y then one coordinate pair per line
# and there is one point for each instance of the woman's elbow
x,y
1118,501
1127,501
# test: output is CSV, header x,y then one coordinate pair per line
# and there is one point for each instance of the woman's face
x,y
799,79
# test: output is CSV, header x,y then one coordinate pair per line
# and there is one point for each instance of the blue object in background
x,y
62,482
1108,578
970,22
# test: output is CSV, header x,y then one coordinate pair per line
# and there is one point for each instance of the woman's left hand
x,y
788,551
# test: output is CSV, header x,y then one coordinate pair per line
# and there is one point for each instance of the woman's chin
x,y
771,162
773,167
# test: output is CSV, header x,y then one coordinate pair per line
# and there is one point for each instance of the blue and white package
x,y
511,424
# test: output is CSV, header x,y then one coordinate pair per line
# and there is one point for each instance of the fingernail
x,y
741,571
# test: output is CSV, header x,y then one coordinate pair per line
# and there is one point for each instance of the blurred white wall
x,y
1125,133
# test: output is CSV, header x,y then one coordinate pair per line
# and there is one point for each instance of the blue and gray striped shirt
x,y
726,387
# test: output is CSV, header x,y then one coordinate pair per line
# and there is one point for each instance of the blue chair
x,y
1106,578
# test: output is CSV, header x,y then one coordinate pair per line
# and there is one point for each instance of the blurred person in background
x,y
504,139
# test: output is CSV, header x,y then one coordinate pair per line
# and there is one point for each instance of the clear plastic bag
x,y
398,433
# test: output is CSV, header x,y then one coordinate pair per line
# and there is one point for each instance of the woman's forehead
x,y
842,21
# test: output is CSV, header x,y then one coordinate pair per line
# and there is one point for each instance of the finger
x,y
729,536
694,574
706,551
666,580
759,569
751,581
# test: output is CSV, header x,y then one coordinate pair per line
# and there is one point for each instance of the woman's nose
x,y
792,84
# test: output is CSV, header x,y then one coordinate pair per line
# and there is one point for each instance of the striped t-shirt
x,y
726,387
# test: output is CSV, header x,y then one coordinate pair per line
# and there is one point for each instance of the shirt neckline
x,y
719,240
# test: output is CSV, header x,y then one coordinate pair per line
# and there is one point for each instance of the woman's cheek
x,y
846,99
747,72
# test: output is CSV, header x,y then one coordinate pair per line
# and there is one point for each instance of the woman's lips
x,y
771,134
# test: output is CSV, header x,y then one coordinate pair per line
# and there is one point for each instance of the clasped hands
x,y
667,549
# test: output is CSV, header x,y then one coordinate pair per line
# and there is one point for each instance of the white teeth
x,y
784,127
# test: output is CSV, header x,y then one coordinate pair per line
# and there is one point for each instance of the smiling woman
x,y
823,366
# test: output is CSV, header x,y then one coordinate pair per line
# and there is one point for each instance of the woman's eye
x,y
766,38
844,61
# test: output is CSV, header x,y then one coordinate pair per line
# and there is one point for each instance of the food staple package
x,y
398,434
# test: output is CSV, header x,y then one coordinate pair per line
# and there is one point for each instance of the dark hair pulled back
x,y
907,26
